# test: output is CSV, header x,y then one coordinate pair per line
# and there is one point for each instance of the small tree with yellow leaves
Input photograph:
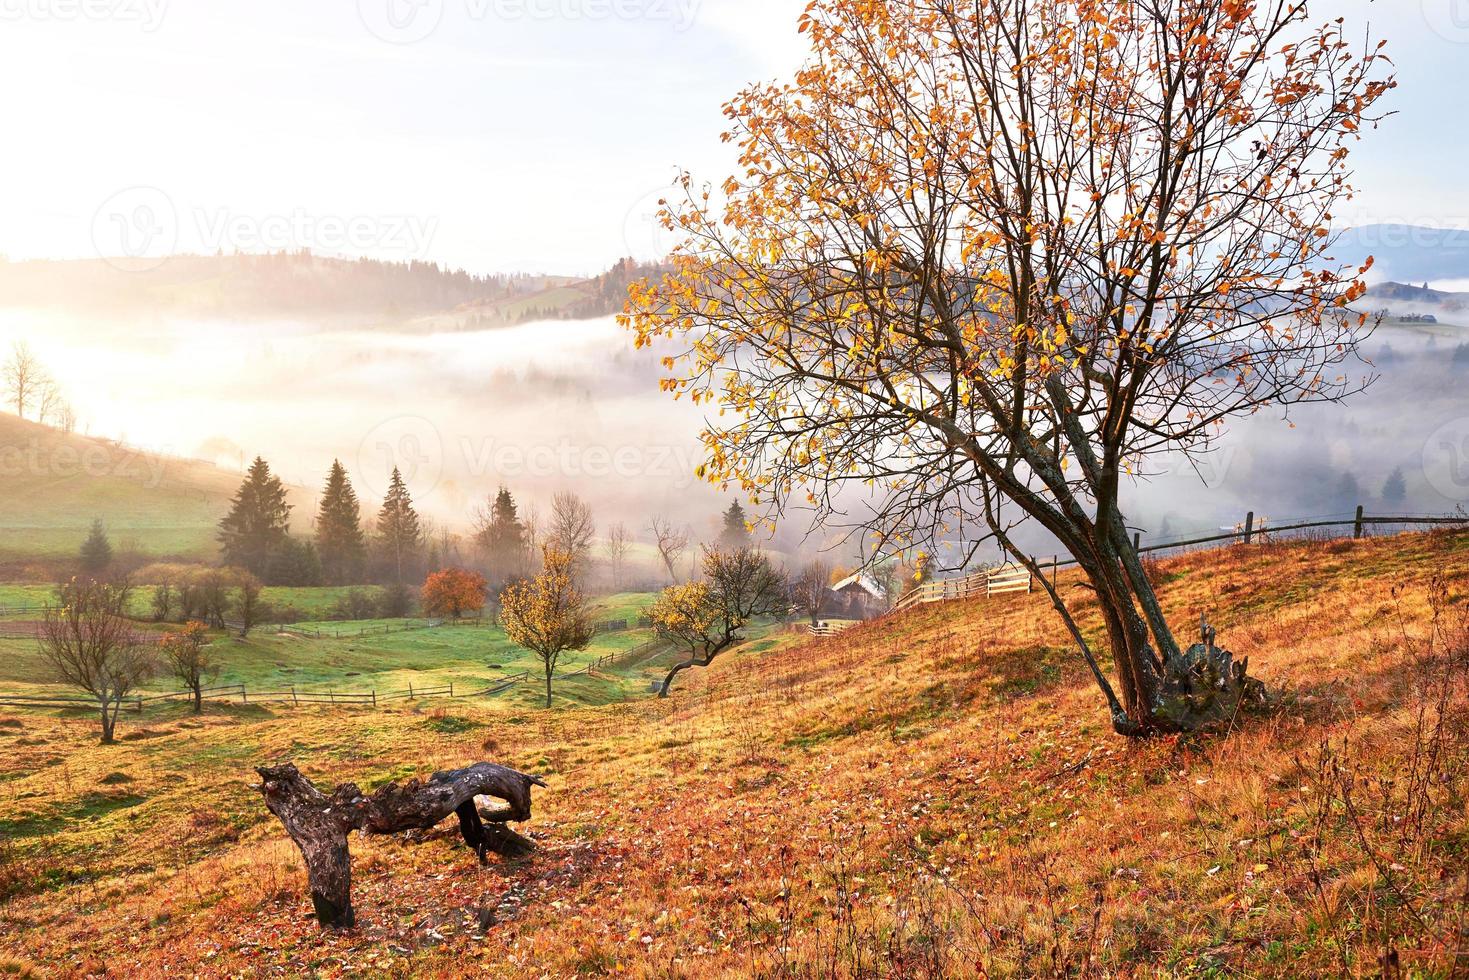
x,y
709,617
547,614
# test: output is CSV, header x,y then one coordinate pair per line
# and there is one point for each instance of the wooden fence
x,y
985,582
297,697
1019,578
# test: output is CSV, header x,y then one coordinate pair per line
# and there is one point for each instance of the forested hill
x,y
303,284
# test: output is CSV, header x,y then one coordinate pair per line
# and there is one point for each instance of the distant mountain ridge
x,y
302,284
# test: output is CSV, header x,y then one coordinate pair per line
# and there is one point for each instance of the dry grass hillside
x,y
54,484
936,794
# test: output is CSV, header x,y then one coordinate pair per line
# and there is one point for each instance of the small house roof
x,y
861,580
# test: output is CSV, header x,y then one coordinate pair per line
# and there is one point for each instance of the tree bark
x,y
1176,691
319,824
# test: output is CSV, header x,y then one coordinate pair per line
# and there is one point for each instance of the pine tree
x,y
735,533
258,523
398,527
1395,488
295,562
339,540
96,550
502,537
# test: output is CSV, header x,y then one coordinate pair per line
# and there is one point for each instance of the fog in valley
x,y
545,406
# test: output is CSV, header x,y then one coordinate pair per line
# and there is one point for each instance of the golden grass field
x,y
935,794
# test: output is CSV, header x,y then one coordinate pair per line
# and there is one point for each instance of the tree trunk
x,y
109,724
548,685
319,824
198,699
1180,690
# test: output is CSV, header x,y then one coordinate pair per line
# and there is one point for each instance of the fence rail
x,y
987,582
293,696
1015,578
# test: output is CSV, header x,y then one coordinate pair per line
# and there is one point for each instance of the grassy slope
x,y
52,485
917,796
471,658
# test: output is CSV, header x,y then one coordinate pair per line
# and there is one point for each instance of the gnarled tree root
x,y
319,824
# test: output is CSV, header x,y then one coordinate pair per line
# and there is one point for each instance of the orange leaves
x,y
453,592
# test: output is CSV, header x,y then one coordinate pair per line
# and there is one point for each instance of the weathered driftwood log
x,y
319,824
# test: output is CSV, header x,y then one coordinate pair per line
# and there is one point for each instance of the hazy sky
x,y
493,134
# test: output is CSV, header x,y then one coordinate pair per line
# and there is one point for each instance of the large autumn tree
x,y
987,259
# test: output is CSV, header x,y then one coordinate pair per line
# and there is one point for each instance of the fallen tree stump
x,y
319,824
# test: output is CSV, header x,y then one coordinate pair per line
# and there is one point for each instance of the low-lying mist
x,y
557,405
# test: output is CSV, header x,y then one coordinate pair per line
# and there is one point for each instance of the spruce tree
x,y
734,534
398,527
1395,488
258,523
503,539
339,540
96,552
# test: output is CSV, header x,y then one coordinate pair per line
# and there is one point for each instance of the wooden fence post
x,y
1055,563
1249,527
294,699
1137,537
451,689
374,697
1357,528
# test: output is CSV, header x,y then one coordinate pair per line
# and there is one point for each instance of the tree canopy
x,y
984,260
258,523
